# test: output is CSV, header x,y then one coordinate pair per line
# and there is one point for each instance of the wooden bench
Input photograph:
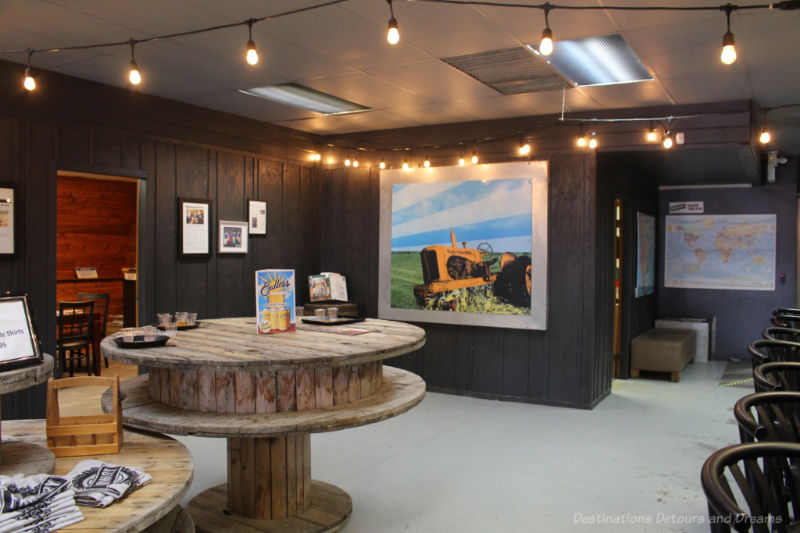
x,y
663,350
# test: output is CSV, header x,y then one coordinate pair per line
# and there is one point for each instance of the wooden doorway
x,y
97,230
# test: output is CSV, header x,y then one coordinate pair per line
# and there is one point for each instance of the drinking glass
x,y
171,328
192,319
164,318
182,319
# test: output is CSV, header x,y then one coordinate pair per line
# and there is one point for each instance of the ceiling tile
x,y
364,89
434,79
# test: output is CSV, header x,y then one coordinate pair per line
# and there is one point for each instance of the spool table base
x,y
329,511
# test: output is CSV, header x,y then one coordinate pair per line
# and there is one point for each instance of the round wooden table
x,y
168,462
25,457
266,394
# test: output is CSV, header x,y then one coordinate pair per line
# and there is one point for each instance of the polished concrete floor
x,y
462,464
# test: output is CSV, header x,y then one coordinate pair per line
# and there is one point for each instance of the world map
x,y
720,252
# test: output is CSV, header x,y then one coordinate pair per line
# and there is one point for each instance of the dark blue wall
x,y
741,315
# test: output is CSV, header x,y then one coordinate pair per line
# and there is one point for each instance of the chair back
x,y
751,487
101,301
768,351
770,377
786,320
769,416
786,311
777,333
75,320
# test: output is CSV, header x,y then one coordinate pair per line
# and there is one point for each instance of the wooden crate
x,y
69,436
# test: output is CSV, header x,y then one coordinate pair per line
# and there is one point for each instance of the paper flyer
x,y
275,299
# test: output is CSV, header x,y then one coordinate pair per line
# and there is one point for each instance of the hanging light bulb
x,y
652,136
461,162
525,147
405,164
134,76
347,161
474,157
582,141
668,140
765,136
728,55
383,164
355,163
251,56
393,35
546,44
427,162
29,82
593,141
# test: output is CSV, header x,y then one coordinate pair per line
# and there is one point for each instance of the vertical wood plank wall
x,y
569,364
183,151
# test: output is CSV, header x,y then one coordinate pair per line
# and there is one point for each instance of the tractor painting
x,y
446,269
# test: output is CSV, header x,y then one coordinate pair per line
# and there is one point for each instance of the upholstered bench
x,y
663,350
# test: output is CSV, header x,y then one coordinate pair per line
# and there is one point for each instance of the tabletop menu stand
x,y
16,456
266,394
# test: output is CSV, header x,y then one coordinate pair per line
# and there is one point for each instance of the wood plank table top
x,y
234,344
27,376
165,459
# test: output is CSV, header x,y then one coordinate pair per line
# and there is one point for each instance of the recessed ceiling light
x,y
303,97
592,61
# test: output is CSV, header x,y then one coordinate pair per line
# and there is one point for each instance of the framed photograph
x,y
7,220
464,245
194,221
232,237
257,217
19,343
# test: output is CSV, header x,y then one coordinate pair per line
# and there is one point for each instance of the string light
x,y
355,163
461,161
546,44
474,157
383,164
393,34
251,56
29,82
652,136
765,136
728,55
134,76
347,161
668,139
405,164
593,141
525,148
582,141
427,162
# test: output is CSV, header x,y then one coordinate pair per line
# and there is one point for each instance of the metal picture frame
x,y
19,341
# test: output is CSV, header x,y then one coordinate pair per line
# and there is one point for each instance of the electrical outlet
x,y
679,138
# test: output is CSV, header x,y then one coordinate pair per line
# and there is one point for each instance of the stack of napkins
x,y
99,484
38,503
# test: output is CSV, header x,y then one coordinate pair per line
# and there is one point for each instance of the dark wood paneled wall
x,y
174,150
568,364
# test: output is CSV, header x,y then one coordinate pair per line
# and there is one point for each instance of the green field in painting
x,y
407,272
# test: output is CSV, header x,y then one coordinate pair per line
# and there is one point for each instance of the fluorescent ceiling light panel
x,y
592,61
303,97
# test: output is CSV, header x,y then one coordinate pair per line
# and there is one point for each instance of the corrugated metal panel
x,y
508,71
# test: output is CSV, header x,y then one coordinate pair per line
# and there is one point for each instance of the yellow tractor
x,y
449,268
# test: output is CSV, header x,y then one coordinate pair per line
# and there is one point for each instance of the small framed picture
x,y
257,217
19,344
194,221
232,237
7,220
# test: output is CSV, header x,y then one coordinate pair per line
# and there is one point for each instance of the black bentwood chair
x,y
765,500
786,320
101,300
769,416
767,351
75,334
771,377
777,333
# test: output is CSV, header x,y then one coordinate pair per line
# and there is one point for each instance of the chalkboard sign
x,y
19,344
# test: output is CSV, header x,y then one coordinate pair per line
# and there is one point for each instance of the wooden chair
x,y
101,302
75,323
777,333
786,320
779,376
69,436
777,417
751,487
769,351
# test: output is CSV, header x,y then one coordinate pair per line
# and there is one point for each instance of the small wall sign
x,y
693,208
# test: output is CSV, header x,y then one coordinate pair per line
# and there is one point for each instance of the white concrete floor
x,y
462,464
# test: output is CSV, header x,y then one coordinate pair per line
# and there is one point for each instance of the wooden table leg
x,y
270,486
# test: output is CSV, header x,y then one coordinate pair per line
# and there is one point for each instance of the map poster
x,y
645,255
735,252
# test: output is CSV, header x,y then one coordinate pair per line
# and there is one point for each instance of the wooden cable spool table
x,y
24,457
266,394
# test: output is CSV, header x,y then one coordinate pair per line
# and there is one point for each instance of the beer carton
x,y
275,298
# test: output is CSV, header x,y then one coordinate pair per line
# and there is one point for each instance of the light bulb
x,y
651,135
582,142
393,35
347,162
546,45
29,82
728,55
474,158
252,55
427,163
593,142
525,149
461,162
668,141
765,137
382,165
133,75
405,165
355,163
